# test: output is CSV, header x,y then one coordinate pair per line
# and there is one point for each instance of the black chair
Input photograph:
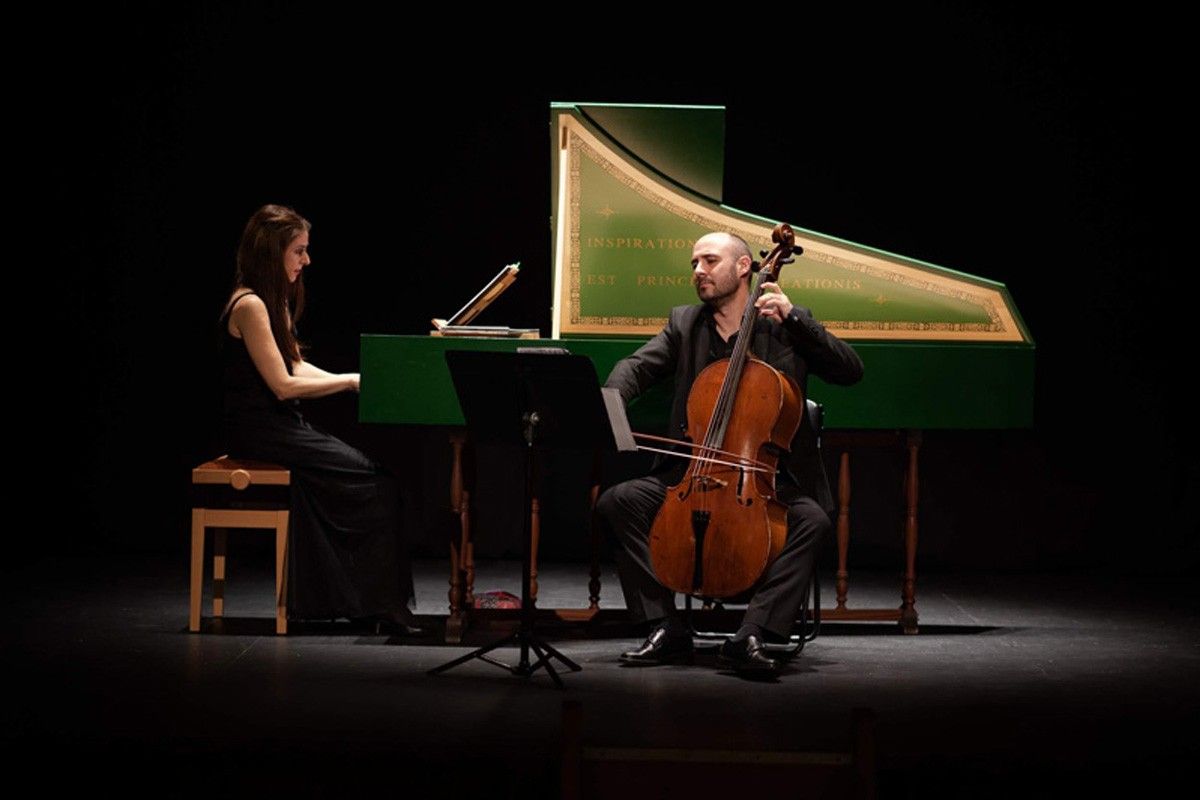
x,y
807,632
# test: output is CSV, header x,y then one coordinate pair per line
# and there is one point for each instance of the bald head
x,y
720,267
729,245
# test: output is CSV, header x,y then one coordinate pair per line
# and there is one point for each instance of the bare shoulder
x,y
248,310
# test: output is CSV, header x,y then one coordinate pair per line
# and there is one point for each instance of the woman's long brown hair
x,y
260,267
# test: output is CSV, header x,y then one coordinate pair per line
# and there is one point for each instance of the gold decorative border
x,y
580,143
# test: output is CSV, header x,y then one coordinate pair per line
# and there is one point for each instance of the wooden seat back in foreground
x,y
634,773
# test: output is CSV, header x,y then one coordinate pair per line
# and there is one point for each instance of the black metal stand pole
x,y
524,637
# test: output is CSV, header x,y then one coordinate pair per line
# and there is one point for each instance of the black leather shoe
x,y
747,655
660,648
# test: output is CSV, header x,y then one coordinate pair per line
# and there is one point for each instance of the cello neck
x,y
784,238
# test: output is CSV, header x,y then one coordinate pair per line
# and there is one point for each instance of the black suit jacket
x,y
798,347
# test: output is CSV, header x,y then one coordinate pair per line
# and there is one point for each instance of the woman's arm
x,y
251,320
304,369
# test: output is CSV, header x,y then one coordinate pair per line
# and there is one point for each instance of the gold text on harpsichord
x,y
637,243
829,284
848,284
664,280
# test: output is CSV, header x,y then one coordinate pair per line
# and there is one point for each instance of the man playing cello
x,y
787,338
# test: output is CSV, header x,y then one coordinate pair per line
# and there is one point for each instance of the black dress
x,y
346,555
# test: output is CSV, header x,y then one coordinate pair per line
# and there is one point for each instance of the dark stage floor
x,y
1017,685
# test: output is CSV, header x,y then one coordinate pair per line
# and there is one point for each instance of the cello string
x,y
743,460
751,467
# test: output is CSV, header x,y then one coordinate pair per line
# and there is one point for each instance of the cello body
x,y
720,526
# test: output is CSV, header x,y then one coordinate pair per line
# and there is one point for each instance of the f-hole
x,y
699,526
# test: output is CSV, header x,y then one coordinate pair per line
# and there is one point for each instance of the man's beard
x,y
717,293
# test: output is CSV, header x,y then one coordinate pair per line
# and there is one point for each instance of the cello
x,y
721,525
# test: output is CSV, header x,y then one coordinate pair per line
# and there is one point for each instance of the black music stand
x,y
537,401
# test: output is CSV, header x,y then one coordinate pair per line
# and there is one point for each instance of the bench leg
x,y
197,569
281,556
220,541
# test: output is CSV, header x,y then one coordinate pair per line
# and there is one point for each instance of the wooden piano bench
x,y
229,493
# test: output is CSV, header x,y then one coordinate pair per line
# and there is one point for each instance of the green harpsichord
x,y
632,188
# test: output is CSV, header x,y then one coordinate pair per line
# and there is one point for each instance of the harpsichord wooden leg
x,y
459,503
594,536
843,529
908,610
534,537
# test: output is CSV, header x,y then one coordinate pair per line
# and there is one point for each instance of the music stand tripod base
x,y
524,637
504,398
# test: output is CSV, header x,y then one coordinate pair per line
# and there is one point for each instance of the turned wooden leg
x,y
458,503
534,536
908,610
594,535
220,541
197,581
467,552
843,529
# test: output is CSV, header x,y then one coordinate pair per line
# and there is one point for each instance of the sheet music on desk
x,y
457,324
487,331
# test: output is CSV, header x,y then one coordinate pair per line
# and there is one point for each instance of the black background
x,y
1048,153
